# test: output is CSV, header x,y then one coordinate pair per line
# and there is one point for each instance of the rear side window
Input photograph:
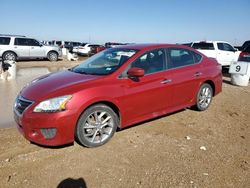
x,y
197,57
21,42
203,46
4,40
33,42
246,44
182,57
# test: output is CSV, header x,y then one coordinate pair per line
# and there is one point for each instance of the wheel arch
x,y
211,83
52,51
110,104
11,52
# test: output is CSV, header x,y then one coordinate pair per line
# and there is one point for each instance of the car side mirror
x,y
135,72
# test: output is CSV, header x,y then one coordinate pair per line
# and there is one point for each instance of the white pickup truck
x,y
223,52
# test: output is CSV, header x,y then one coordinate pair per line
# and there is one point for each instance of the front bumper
x,y
51,129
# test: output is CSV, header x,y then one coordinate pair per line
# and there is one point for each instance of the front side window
x,y
151,62
105,62
182,57
33,42
4,40
225,47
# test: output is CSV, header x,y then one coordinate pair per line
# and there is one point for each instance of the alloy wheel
x,y
205,97
98,127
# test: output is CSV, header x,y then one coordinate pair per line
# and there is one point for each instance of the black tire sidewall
x,y
199,108
82,119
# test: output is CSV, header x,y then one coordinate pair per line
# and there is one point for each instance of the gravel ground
x,y
184,149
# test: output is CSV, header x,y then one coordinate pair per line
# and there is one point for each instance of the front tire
x,y
11,56
204,97
96,125
52,56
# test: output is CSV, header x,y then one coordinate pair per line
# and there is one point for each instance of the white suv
x,y
222,51
13,47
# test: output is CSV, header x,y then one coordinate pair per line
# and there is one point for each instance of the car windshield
x,y
105,62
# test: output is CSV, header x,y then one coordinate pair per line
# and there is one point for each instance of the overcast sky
x,y
140,21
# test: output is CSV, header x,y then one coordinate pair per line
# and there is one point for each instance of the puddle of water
x,y
10,88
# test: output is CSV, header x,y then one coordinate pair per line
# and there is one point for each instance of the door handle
x,y
197,74
15,46
32,47
166,81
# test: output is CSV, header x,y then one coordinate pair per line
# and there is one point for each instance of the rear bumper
x,y
218,84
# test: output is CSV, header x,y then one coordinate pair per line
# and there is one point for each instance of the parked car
x,y
82,47
96,48
113,44
65,44
245,44
86,49
223,52
48,43
115,88
20,47
245,54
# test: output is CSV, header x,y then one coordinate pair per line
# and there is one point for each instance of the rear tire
x,y
96,125
52,56
11,56
204,97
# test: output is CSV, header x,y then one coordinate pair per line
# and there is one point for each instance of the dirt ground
x,y
184,149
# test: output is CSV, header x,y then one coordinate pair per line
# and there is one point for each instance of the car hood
x,y
51,85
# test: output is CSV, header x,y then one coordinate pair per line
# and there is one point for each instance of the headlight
x,y
53,105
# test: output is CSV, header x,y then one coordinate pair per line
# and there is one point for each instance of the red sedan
x,y
115,88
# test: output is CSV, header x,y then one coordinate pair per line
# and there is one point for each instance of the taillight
x,y
244,54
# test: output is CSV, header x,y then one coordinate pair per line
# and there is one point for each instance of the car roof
x,y
210,41
9,35
151,46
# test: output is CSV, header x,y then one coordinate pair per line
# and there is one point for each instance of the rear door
x,y
21,47
186,73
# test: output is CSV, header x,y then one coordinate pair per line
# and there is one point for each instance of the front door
x,y
226,54
36,50
147,96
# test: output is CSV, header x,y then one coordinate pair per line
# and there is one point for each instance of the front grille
x,y
22,104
